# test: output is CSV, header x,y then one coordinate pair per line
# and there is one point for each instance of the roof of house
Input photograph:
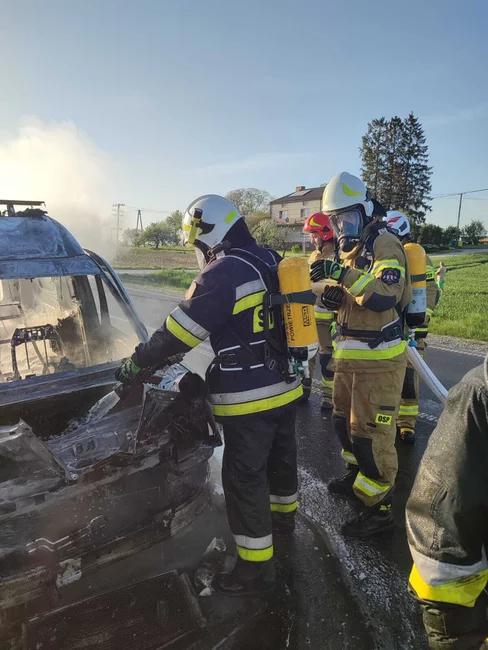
x,y
308,194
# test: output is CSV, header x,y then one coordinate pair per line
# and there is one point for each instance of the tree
x,y
449,234
158,233
431,234
249,200
269,234
130,237
474,231
255,219
174,223
395,166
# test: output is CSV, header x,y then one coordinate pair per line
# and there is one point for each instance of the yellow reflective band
x,y
324,315
181,333
255,555
462,592
230,217
389,353
429,311
253,300
349,457
257,406
381,418
348,192
369,487
314,223
408,410
327,383
283,507
380,267
360,284
186,227
421,329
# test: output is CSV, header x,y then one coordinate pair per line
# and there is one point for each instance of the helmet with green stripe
x,y
206,223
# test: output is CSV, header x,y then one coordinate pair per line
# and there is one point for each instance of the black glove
x,y
332,297
323,269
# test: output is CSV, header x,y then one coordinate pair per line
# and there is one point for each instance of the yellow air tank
x,y
416,310
300,325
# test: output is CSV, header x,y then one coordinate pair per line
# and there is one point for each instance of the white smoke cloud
x,y
57,163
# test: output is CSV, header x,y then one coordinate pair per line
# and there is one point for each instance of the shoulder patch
x,y
391,276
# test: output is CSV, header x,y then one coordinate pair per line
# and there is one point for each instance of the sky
x,y
155,102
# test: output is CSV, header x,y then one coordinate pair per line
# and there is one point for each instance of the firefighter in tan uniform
x,y
409,406
322,236
369,354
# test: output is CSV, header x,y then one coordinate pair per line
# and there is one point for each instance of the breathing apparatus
x,y
350,209
416,313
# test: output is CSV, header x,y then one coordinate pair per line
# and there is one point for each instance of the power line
x,y
460,194
133,207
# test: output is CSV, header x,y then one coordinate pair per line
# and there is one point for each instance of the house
x,y
292,210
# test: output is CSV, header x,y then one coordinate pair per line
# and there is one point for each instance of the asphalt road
x,y
374,571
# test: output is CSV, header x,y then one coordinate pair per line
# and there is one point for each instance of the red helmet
x,y
319,222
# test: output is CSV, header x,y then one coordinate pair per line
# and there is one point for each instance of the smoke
x,y
57,163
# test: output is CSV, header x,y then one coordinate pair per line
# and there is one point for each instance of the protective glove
x,y
323,269
127,371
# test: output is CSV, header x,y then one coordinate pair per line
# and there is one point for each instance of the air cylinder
x,y
416,310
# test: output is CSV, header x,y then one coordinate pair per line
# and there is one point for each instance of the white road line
x,y
469,354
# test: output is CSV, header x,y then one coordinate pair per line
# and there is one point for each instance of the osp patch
x,y
391,276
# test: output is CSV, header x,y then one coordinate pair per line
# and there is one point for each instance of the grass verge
x,y
463,307
171,278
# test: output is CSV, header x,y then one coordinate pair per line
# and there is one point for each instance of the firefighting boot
x,y
247,579
343,485
371,521
326,404
407,435
283,523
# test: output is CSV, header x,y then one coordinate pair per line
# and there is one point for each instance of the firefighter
x,y
322,237
369,352
409,406
447,521
250,391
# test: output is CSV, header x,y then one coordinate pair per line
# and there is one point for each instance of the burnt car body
x,y
76,495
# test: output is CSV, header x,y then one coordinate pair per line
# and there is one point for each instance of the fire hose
x,y
426,373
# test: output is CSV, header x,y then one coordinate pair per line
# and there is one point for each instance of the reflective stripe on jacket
x,y
447,512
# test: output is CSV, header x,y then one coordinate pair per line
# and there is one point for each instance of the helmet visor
x,y
347,224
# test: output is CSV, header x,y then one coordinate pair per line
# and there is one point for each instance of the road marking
x,y
470,354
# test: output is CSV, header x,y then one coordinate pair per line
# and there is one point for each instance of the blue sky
x,y
177,98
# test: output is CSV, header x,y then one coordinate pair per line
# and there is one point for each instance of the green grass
x,y
463,307
149,258
172,278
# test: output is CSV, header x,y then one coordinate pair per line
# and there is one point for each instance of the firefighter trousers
x,y
259,476
325,358
409,405
365,412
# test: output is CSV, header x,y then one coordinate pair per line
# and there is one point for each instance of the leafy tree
x,y
431,234
249,200
130,237
449,234
395,166
157,234
255,219
174,223
474,231
269,234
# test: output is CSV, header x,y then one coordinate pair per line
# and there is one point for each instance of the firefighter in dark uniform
x,y
447,521
250,391
409,406
369,348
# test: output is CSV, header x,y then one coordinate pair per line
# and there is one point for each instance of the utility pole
x,y
118,206
139,222
459,217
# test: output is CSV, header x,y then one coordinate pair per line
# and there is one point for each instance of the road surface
x,y
374,571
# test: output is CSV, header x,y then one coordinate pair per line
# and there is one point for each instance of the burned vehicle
x,y
79,492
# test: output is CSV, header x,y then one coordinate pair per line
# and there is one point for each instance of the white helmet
x,y
398,223
208,219
344,191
